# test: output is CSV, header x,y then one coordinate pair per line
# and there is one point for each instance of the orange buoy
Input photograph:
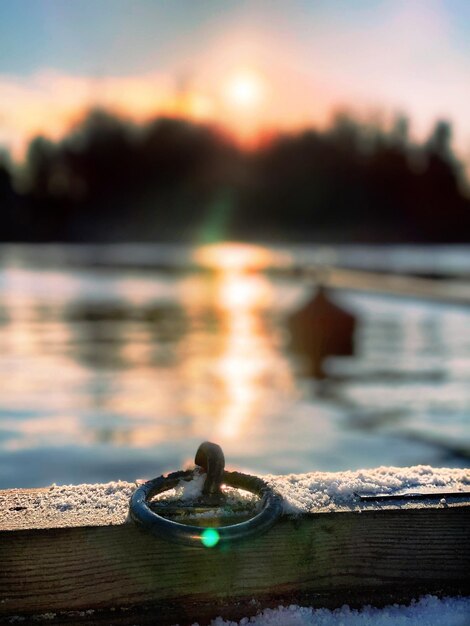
x,y
321,329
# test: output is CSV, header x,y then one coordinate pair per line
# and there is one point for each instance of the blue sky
x,y
122,36
389,56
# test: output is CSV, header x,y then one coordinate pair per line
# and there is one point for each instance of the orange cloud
x,y
48,103
255,84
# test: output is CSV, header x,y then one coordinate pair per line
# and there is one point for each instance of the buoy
x,y
321,329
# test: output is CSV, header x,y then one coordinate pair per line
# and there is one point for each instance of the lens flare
x,y
210,537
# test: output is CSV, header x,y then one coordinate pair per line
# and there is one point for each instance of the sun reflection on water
x,y
135,361
242,296
119,374
240,368
229,368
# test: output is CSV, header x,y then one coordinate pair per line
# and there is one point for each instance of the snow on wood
x,y
326,491
315,492
72,548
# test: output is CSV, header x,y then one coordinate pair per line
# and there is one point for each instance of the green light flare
x,y
210,537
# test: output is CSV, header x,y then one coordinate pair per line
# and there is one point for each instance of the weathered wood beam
x,y
451,291
371,553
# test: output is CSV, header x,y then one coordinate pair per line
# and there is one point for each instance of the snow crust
x,y
188,492
428,611
302,493
104,504
66,506
324,491
109,496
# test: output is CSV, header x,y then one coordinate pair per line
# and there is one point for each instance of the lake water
x,y
116,363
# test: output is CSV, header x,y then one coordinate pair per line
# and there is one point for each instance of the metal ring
x,y
162,527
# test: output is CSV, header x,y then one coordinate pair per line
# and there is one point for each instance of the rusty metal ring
x,y
165,528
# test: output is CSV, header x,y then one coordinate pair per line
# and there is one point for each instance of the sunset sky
x,y
248,65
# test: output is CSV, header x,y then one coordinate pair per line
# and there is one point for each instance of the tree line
x,y
173,180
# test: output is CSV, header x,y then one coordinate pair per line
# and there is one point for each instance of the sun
x,y
245,89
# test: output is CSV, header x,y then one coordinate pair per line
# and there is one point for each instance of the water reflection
x,y
140,371
249,356
116,373
231,358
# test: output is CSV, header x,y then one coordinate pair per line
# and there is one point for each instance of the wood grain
x,y
326,559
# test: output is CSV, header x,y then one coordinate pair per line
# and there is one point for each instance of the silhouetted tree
x,y
10,210
171,179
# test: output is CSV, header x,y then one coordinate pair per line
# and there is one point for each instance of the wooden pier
x,y
90,565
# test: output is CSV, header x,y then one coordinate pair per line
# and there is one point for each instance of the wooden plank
x,y
64,506
372,553
452,291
